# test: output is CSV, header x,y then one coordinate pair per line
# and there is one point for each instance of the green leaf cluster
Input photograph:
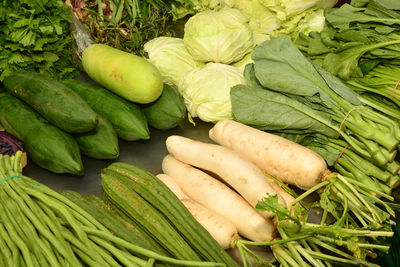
x,y
356,38
34,35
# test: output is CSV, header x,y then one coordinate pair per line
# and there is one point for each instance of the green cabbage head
x,y
206,91
222,36
170,56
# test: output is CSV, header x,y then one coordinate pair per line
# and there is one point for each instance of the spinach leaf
x,y
345,16
280,66
268,110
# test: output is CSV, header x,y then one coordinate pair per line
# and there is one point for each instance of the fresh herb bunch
x,y
126,24
35,35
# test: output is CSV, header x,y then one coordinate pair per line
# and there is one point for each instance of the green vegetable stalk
x,y
290,94
40,227
307,244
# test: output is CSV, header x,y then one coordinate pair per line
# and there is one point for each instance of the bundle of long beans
x,y
40,227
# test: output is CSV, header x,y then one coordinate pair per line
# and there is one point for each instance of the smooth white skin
x,y
222,230
246,178
219,198
292,163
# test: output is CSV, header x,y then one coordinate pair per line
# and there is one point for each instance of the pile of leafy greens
x,y
360,44
126,24
287,94
35,35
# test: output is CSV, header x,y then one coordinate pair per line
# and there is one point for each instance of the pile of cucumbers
x,y
59,120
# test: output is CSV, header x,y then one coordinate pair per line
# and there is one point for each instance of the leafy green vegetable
x,y
298,95
127,24
35,35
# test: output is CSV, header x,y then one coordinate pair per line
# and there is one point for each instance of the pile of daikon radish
x,y
221,183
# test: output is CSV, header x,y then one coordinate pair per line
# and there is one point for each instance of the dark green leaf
x,y
269,110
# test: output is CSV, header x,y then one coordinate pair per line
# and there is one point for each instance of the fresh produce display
x,y
360,44
222,36
150,204
126,117
222,230
168,111
206,91
126,24
9,145
35,35
161,51
54,101
270,17
101,143
127,75
46,145
315,99
41,227
219,198
114,223
292,160
248,180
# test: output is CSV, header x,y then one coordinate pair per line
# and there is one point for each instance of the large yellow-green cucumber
x,y
54,101
167,112
126,117
127,75
46,145
101,143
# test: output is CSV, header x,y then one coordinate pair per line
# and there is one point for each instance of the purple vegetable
x,y
9,144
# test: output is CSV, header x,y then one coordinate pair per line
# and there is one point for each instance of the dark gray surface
x,y
146,154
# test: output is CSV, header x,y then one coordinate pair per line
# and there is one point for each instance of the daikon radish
x,y
221,229
246,178
290,162
219,198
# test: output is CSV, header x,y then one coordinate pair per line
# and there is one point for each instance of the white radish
x,y
290,162
219,198
221,229
246,178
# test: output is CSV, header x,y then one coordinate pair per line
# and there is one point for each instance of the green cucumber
x,y
168,111
46,145
127,119
54,101
101,143
151,189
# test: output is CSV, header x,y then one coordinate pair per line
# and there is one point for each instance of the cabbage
x,y
258,39
206,91
218,36
288,8
170,56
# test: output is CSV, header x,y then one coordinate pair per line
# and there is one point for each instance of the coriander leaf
x,y
46,29
271,203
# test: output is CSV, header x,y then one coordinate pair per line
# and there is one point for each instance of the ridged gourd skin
x,y
54,101
292,163
157,193
110,219
127,75
46,145
101,143
126,117
121,194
